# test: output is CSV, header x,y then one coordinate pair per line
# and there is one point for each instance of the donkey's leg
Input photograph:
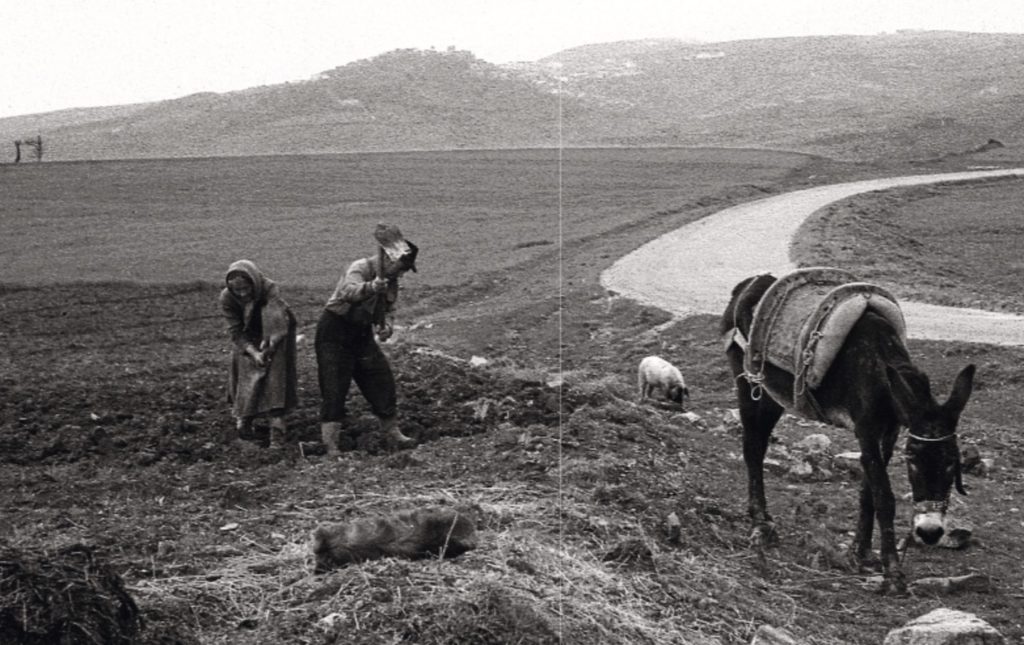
x,y
874,460
759,418
865,525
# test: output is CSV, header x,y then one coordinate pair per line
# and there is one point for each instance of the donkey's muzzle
x,y
930,535
929,527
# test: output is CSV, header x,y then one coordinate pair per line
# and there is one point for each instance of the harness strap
x,y
931,439
734,335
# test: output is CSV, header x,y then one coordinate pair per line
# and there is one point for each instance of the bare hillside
x,y
909,96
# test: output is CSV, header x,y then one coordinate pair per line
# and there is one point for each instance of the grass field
x,y
302,219
955,245
113,419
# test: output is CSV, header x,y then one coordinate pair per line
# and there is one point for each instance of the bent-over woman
x,y
262,378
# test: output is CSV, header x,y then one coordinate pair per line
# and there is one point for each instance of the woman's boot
x,y
243,429
278,431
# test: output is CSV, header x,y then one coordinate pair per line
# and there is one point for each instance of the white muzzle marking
x,y
931,523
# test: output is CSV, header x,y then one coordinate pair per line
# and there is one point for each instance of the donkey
x,y
872,388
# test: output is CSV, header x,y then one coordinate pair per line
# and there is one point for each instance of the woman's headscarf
x,y
260,286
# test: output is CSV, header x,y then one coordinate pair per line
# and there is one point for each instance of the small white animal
x,y
655,373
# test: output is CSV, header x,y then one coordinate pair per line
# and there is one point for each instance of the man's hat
x,y
395,246
409,258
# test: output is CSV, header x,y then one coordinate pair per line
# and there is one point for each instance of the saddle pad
x,y
781,313
825,329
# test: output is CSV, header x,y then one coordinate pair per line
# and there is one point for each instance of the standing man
x,y
346,349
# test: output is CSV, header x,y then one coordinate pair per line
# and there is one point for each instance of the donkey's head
x,y
933,456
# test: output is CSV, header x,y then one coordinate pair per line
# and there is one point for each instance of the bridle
x,y
959,482
931,506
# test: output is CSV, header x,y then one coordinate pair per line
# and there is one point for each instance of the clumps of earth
x,y
439,396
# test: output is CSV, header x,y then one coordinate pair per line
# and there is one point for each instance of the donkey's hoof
x,y
895,586
868,563
763,535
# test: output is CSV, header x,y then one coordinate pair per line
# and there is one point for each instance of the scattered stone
x,y
953,584
329,621
147,458
955,537
970,458
692,417
403,460
849,463
945,627
800,470
814,443
675,527
478,361
630,552
774,466
768,635
481,407
164,548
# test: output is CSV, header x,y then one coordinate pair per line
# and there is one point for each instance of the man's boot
x,y
389,427
330,432
278,431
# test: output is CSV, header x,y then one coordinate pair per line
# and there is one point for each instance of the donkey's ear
x,y
902,396
962,388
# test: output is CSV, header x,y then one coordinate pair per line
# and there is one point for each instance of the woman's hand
x,y
259,358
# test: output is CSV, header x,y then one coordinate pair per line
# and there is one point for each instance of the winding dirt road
x,y
692,270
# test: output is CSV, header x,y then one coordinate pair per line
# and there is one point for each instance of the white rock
x,y
800,470
330,620
478,361
692,417
945,627
815,443
767,635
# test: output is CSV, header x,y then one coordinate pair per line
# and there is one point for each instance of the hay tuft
x,y
64,597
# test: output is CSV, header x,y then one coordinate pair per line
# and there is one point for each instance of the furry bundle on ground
x,y
68,596
421,533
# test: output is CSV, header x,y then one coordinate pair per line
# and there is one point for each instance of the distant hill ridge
x,y
905,95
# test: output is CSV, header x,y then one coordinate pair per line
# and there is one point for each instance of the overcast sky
x,y
58,54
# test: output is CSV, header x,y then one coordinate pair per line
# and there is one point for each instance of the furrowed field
x,y
114,428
